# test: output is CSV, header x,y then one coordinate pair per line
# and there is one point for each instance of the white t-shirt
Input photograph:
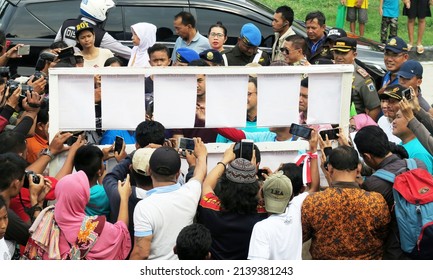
x,y
386,126
164,213
279,237
99,61
5,254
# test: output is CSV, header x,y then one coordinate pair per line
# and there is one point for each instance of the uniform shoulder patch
x,y
371,86
362,72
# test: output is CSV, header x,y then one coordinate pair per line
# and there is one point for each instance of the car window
x,y
161,17
233,23
42,19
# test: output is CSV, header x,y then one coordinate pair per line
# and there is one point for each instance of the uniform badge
x,y
371,86
209,56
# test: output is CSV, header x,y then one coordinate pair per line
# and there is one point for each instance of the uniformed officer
x,y
95,13
364,94
247,48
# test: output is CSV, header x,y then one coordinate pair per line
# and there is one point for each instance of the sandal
x,y
420,49
409,47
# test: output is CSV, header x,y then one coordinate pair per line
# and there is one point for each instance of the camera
x,y
301,131
35,178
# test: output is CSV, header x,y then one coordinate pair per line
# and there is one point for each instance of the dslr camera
x,y
35,178
13,85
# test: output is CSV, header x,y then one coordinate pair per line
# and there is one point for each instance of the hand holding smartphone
x,y
24,50
332,133
118,144
301,131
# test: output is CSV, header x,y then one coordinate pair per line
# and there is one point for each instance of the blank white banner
x,y
175,98
226,100
324,92
278,99
77,105
122,103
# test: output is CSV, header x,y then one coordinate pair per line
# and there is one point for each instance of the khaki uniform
x,y
364,93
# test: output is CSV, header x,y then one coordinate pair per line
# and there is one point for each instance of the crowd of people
x,y
145,207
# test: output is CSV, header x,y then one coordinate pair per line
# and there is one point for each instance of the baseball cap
x,y
84,25
186,55
410,69
396,45
251,35
140,160
344,44
393,91
241,170
335,33
277,191
212,55
165,161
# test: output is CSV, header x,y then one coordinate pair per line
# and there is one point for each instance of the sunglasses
x,y
285,50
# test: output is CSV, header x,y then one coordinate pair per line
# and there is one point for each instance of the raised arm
x,y
211,180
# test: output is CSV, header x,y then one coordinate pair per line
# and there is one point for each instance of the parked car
x,y
36,22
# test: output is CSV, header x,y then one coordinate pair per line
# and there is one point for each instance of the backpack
x,y
413,206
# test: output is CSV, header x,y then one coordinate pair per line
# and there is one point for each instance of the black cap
x,y
212,55
393,91
165,161
344,44
84,25
335,33
396,45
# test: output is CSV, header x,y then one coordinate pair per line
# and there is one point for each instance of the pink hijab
x,y
73,193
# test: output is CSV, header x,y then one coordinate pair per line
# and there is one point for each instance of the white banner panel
x,y
226,100
324,93
77,103
122,103
278,99
175,98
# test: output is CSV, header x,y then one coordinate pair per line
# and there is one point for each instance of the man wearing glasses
x,y
294,49
247,48
364,94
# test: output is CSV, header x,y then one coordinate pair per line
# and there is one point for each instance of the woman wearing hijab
x,y
113,240
143,37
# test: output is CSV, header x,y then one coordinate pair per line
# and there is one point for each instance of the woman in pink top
x,y
73,193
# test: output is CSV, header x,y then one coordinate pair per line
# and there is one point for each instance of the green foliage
x,y
372,28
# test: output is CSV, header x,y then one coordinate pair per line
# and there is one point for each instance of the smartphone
x,y
332,133
247,147
186,144
24,50
407,93
260,174
71,140
66,52
118,144
301,131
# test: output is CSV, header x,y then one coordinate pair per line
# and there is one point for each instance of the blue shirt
x,y
416,150
251,127
199,43
387,78
390,8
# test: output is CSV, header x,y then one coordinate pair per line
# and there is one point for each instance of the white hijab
x,y
147,34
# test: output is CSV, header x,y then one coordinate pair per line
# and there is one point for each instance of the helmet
x,y
96,9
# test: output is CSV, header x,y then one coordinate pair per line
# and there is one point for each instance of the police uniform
x,y
364,93
102,38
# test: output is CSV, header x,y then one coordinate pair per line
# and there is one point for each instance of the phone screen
x,y
300,131
24,50
186,144
247,147
332,134
407,94
118,144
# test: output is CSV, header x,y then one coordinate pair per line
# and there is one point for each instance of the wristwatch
x,y
46,152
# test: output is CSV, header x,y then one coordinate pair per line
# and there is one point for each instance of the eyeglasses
x,y
219,35
393,55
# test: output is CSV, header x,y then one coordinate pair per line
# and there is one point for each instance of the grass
x,y
372,28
